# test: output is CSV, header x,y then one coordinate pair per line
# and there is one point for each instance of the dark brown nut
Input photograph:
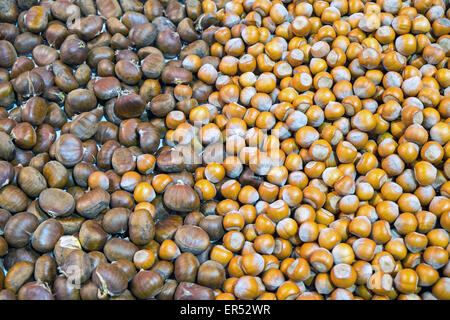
x,y
146,284
36,19
55,34
102,40
129,106
81,100
3,247
141,227
170,160
105,68
87,7
89,291
153,9
168,290
87,28
249,177
169,42
183,176
44,55
109,8
8,54
90,151
211,274
164,268
213,225
34,209
191,239
73,51
6,173
9,11
6,126
64,78
127,267
8,31
84,126
64,246
71,224
132,19
162,23
192,291
128,72
34,111
186,30
153,65
17,255
77,267
106,131
7,96
56,202
55,116
204,256
201,91
122,199
176,75
123,160
116,249
198,47
47,76
35,291
149,138
46,235
161,210
55,174
128,135
175,12
65,289
96,258
25,42
97,54
22,158
28,84
166,228
45,136
83,74
31,181
7,147
92,203
162,104
116,220
182,198
18,275
4,217
143,35
24,135
68,150
6,294
186,267
92,236
45,269
106,88
104,155
13,199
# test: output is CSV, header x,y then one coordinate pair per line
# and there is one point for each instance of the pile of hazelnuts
x,y
224,149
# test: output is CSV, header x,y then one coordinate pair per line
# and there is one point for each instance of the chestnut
x,y
35,290
19,228
116,220
6,294
110,279
193,291
56,202
6,173
185,267
31,181
92,203
68,150
116,249
129,106
191,239
77,267
45,269
166,228
18,275
181,198
64,289
146,284
141,227
92,236
46,235
211,274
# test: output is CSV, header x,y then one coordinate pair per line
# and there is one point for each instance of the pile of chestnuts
x,y
224,149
